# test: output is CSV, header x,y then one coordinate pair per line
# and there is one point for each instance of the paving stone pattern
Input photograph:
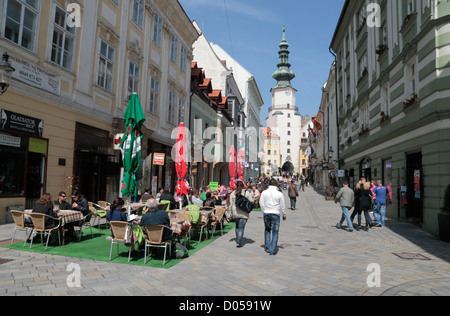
x,y
315,259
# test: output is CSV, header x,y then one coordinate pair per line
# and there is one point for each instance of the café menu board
x,y
19,123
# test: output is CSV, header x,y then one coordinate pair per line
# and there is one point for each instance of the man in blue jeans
x,y
346,198
379,208
273,206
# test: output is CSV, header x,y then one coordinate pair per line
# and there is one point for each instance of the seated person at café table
x,y
153,216
166,196
146,195
62,202
209,202
115,214
79,203
45,206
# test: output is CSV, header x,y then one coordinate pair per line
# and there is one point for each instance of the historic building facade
x,y
73,81
393,101
251,110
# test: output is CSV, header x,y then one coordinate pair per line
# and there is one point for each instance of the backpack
x,y
244,204
180,251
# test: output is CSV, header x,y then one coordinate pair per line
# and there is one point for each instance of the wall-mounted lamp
x,y
5,73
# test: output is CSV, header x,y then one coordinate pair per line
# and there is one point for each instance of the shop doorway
x,y
414,191
35,180
92,176
365,169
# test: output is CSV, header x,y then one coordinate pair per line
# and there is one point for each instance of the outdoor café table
x,y
206,215
134,206
67,216
177,225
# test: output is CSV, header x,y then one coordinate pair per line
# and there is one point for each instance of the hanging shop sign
x,y
19,123
159,159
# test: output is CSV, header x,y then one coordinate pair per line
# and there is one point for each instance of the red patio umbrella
x,y
180,161
241,157
232,167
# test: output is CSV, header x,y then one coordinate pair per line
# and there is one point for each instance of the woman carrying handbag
x,y
237,214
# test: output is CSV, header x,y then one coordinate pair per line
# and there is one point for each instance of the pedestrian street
x,y
315,258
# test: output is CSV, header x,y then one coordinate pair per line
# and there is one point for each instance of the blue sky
x,y
256,28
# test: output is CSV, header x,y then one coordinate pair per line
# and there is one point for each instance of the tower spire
x,y
284,74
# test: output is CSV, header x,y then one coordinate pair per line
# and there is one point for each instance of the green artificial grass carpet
x,y
98,247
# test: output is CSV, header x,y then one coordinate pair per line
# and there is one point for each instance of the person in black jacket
x,y
166,196
62,201
45,206
363,198
79,203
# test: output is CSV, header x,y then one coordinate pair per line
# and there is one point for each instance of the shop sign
x,y
37,146
10,141
117,141
159,159
19,123
35,76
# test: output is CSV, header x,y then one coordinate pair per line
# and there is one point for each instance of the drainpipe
x,y
337,107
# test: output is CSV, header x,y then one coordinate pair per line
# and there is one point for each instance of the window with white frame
x,y
180,110
363,16
63,43
363,65
157,29
105,66
364,117
154,96
174,48
171,107
385,100
133,78
411,6
21,22
138,12
183,58
412,78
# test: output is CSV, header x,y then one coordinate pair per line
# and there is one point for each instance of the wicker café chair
x,y
154,239
86,222
219,212
19,220
119,230
186,234
38,220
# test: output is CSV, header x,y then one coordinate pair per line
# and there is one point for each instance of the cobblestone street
x,y
315,258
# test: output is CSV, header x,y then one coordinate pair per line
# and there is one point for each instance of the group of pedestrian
x,y
366,197
271,201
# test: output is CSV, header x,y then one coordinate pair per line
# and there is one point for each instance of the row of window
x,y
21,26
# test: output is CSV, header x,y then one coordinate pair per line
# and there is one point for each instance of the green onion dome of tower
x,y
284,74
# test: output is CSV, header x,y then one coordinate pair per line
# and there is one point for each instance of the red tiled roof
x,y
269,133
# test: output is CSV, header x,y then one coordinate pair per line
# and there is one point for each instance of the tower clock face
x,y
288,92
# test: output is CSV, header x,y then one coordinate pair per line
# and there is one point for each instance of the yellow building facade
x,y
71,86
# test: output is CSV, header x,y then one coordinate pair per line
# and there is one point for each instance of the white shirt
x,y
272,201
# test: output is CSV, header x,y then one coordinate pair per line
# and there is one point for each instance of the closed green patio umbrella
x,y
131,145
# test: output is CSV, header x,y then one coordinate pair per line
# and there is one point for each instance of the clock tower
x,y
284,117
